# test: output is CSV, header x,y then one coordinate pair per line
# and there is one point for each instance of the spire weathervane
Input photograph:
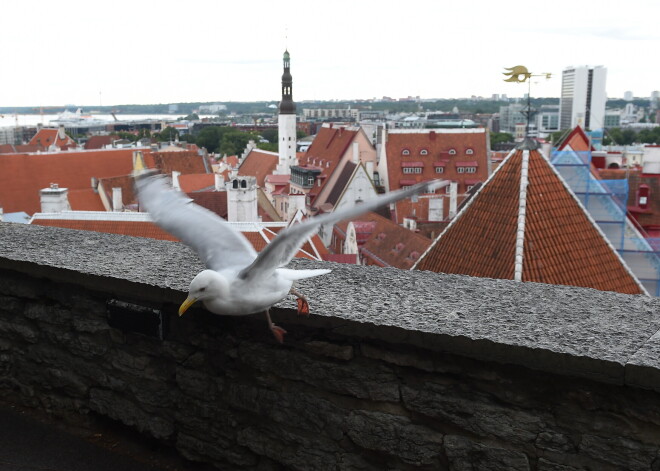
x,y
520,74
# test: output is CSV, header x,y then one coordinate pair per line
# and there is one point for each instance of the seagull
x,y
237,280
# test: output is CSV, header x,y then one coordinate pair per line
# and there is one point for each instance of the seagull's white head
x,y
207,284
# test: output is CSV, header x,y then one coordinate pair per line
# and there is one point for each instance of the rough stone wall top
x,y
600,335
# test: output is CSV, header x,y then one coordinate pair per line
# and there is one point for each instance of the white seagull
x,y
239,281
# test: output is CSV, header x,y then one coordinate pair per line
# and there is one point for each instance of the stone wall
x,y
393,370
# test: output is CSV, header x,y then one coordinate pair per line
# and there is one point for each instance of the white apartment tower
x,y
286,122
583,97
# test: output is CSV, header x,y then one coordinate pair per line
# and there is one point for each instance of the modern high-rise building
x,y
583,97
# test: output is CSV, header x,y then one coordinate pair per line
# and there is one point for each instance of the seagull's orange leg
x,y
278,332
303,305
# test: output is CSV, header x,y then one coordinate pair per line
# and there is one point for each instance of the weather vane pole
x,y
520,74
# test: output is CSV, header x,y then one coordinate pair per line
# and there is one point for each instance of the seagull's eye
x,y
202,289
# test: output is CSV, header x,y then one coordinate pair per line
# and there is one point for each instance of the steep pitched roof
x,y
576,140
525,223
215,201
47,137
259,163
85,200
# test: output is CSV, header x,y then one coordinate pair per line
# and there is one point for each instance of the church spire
x,y
287,106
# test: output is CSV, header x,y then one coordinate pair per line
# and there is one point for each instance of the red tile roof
x,y
561,244
430,149
259,163
326,151
15,149
215,201
47,137
99,142
85,200
185,161
577,140
196,182
125,182
23,175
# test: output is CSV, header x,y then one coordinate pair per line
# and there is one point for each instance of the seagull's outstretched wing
x,y
285,246
216,242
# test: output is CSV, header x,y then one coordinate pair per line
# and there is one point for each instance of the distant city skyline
x,y
161,52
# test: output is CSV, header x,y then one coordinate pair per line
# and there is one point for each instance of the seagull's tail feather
x,y
300,274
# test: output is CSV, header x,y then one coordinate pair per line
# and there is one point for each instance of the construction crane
x,y
42,108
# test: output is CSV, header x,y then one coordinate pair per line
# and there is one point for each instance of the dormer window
x,y
452,151
643,194
398,247
414,255
405,152
424,152
469,151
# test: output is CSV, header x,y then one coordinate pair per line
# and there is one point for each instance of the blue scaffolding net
x,y
605,201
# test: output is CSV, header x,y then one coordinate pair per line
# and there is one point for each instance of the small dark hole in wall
x,y
135,318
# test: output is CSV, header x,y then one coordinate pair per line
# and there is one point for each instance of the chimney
x,y
296,202
61,133
436,209
370,170
175,179
54,199
219,182
117,202
453,190
1,213
356,153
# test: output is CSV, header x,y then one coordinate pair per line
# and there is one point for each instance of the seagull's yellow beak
x,y
186,304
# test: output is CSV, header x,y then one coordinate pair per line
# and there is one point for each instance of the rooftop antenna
x,y
520,74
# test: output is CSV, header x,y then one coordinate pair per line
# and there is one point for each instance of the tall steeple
x,y
286,122
287,106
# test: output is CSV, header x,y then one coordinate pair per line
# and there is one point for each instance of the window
x,y
460,169
469,151
405,152
424,152
470,169
412,170
452,151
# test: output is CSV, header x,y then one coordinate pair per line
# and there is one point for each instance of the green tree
x,y
168,134
234,142
209,138
270,135
500,138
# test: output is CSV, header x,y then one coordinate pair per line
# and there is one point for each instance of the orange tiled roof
x,y
577,140
47,137
23,175
326,151
85,200
215,201
99,142
434,149
125,182
259,163
561,243
196,182
184,161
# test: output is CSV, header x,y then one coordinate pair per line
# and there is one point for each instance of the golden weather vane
x,y
520,74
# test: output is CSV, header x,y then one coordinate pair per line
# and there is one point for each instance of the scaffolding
x,y
605,201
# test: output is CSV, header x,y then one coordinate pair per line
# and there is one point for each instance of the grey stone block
x,y
467,455
396,436
366,380
620,452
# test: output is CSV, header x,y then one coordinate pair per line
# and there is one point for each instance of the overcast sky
x,y
120,52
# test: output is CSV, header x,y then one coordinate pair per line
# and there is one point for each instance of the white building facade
x,y
583,97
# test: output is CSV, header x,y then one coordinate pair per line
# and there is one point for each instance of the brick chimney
x,y
54,199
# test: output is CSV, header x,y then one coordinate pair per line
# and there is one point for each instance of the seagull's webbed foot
x,y
277,331
303,305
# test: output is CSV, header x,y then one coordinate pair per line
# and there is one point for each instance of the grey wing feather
x,y
285,246
216,242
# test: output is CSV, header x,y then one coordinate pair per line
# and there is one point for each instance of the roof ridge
x,y
522,207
